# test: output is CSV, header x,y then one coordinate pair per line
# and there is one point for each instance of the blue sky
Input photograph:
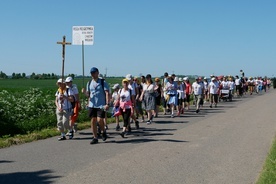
x,y
200,37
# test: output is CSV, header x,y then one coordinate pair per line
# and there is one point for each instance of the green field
x,y
16,85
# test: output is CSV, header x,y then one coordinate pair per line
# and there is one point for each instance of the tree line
x,y
32,76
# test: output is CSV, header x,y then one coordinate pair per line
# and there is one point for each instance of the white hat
x,y
185,78
116,86
68,79
59,81
205,77
180,79
176,79
129,77
213,78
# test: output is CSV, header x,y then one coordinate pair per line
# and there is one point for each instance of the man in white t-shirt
x,y
198,91
213,90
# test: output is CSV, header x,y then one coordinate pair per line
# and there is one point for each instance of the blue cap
x,y
93,69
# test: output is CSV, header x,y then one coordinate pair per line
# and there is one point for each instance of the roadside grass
x,y
268,174
7,141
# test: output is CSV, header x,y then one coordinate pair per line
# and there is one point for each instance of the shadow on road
x,y
41,177
5,161
143,140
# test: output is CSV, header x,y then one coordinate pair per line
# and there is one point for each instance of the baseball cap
x,y
59,81
185,78
94,69
180,79
213,78
125,80
116,86
129,77
68,79
176,79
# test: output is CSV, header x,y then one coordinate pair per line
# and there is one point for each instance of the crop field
x,y
27,105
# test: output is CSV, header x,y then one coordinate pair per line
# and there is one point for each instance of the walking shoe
x,y
148,122
61,138
94,141
172,116
104,136
129,129
211,106
117,127
71,134
197,110
137,124
75,127
122,134
106,127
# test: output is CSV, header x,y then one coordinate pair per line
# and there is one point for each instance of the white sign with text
x,y
83,33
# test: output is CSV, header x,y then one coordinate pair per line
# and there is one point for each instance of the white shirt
x,y
237,82
225,84
197,88
133,88
213,86
125,96
231,85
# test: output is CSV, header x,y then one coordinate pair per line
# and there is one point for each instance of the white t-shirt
x,y
213,86
237,82
231,85
75,90
114,96
225,84
125,96
197,88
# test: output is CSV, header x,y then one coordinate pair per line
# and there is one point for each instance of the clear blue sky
x,y
200,37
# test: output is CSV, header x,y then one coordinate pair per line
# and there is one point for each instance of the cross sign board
x,y
83,34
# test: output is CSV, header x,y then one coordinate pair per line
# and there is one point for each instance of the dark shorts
x,y
96,112
187,99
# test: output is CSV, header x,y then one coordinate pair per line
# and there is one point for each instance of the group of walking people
x,y
144,97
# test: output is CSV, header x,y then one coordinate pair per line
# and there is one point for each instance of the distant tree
x,y
13,75
72,75
3,75
23,75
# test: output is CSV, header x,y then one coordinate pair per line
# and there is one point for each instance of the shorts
x,y
96,112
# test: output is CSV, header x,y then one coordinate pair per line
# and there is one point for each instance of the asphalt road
x,y
227,144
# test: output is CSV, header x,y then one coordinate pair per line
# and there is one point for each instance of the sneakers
x,y
137,124
148,122
122,134
106,127
117,127
71,134
197,111
94,141
172,116
211,106
104,136
61,138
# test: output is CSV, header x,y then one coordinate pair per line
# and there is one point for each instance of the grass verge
x,y
268,174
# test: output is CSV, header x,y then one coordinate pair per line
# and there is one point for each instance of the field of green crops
x,y
27,105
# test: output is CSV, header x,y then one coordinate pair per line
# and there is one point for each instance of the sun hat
x,y
156,79
68,79
94,69
116,86
180,79
185,78
125,80
213,79
176,79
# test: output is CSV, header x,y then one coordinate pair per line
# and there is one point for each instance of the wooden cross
x,y
63,54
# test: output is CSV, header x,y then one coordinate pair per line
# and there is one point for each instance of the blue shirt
x,y
97,93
